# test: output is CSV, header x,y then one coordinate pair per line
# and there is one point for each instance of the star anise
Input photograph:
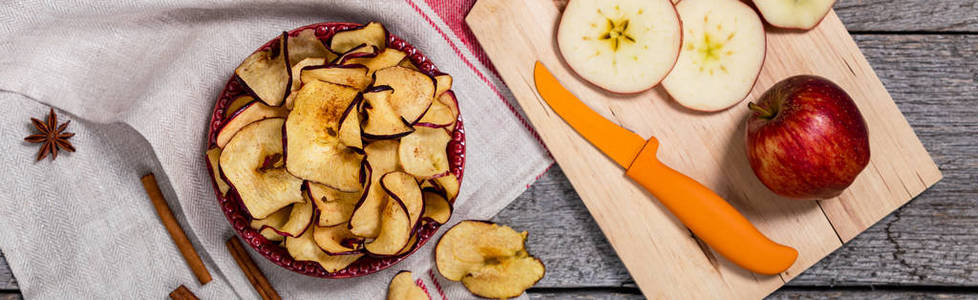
x,y
51,136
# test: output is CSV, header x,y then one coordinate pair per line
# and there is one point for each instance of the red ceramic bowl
x,y
239,217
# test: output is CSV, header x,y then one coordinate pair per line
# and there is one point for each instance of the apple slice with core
x,y
402,287
395,230
794,14
249,162
267,74
213,163
313,150
413,91
423,154
354,76
336,240
372,34
507,279
723,51
382,121
304,248
382,158
405,188
465,247
252,112
623,46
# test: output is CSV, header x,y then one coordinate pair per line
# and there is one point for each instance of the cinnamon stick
x,y
176,233
251,271
182,293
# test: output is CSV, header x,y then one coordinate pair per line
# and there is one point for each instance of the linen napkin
x,y
139,79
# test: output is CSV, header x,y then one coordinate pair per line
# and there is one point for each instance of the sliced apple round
x,y
336,240
381,156
267,74
354,76
395,230
263,189
384,59
313,149
423,153
794,14
213,163
623,46
252,112
413,91
506,279
470,245
402,287
372,34
723,51
335,207
436,208
306,45
405,188
382,121
304,248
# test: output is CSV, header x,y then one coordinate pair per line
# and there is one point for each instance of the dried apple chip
x,y
443,83
299,218
268,227
450,185
423,153
466,247
372,34
336,240
237,104
438,115
395,230
248,162
349,132
506,279
304,248
267,74
314,151
382,158
335,207
384,59
213,162
405,188
436,208
297,77
382,121
402,287
252,112
307,45
413,91
354,76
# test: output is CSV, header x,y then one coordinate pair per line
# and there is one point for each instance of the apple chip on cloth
x,y
152,115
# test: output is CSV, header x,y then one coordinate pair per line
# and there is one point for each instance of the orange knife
x,y
707,215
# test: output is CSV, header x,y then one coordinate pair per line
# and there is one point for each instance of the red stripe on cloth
x,y
479,73
423,287
431,274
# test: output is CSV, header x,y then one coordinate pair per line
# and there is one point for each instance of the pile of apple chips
x,y
339,150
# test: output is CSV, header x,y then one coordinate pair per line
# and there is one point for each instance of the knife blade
x,y
705,213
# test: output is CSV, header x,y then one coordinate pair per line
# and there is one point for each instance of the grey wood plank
x,y
7,280
931,241
912,15
784,294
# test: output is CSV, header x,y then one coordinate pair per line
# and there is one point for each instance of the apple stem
x,y
760,111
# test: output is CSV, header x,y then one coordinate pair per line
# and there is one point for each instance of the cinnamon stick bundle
x,y
176,233
254,275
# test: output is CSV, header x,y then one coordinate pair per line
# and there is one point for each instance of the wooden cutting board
x,y
661,255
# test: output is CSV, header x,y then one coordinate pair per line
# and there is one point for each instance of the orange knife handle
x,y
708,216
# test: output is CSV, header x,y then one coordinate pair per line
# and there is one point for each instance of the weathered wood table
x,y
926,53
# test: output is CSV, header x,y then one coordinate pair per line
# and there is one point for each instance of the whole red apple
x,y
806,138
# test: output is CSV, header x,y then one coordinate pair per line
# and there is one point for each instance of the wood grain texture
x,y
7,280
708,147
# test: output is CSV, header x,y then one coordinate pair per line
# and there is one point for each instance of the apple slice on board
x,y
794,14
252,112
423,154
250,163
304,248
623,46
313,149
722,54
402,287
267,74
382,158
